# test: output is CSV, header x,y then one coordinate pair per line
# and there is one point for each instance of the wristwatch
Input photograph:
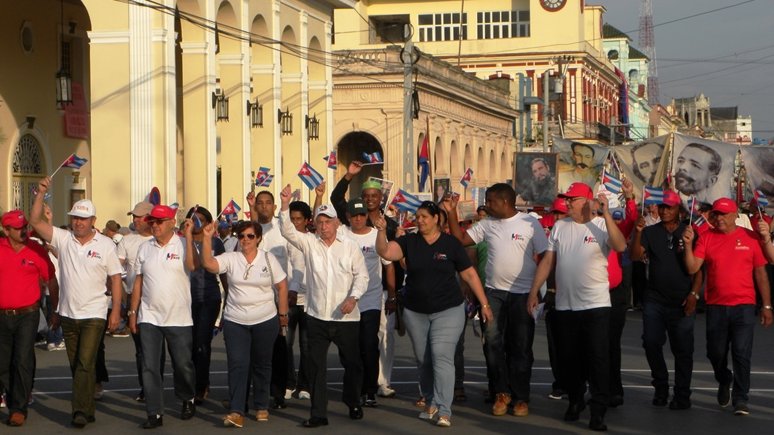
x,y
131,312
696,295
768,307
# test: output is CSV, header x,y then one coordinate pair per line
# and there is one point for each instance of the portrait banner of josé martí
x,y
579,162
702,168
759,165
644,163
535,178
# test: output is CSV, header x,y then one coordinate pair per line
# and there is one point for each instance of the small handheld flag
x,y
261,175
760,198
310,176
653,195
466,179
154,196
72,161
406,201
374,158
231,211
611,183
331,159
266,181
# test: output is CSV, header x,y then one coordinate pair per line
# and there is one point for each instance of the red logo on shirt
x,y
589,239
172,256
517,237
93,254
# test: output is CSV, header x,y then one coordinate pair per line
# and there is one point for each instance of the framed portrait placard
x,y
535,178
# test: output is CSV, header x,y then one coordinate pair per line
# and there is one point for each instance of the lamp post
x,y
64,85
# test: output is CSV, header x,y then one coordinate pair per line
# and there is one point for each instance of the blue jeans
x,y
17,357
82,338
249,349
180,344
731,327
658,322
434,338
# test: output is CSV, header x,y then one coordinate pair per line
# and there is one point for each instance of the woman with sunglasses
x,y
434,305
205,302
250,316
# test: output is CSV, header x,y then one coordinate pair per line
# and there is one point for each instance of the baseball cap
x,y
223,225
161,212
578,190
142,208
671,198
326,210
14,219
617,213
559,205
84,209
372,184
724,205
356,206
112,226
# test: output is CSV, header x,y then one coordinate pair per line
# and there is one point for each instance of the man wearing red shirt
x,y
733,256
24,264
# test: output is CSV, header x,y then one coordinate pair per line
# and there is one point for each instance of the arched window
x,y
27,169
612,54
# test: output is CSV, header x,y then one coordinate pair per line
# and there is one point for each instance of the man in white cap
x,y
336,277
87,260
127,253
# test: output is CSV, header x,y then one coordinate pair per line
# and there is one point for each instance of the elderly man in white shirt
x,y
336,277
87,260
161,310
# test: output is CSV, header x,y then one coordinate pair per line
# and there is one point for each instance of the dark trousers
x,y
494,346
204,315
279,372
345,336
583,344
17,357
658,322
297,324
619,299
179,342
369,350
520,333
731,327
82,338
639,282
249,351
138,357
100,367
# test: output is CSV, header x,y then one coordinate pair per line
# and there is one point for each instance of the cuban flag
x,y
611,183
231,210
760,198
309,176
465,180
154,196
406,201
267,181
74,162
424,159
261,175
653,195
331,159
374,158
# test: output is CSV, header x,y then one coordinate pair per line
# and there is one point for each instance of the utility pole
x,y
546,111
409,151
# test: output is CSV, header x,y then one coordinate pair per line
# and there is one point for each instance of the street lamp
x,y
313,127
255,113
64,85
285,120
220,103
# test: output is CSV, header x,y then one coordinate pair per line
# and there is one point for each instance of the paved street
x,y
117,413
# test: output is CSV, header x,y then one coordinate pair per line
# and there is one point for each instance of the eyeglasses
x,y
156,221
247,271
250,236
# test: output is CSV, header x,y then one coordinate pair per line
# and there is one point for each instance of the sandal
x,y
443,421
420,403
429,413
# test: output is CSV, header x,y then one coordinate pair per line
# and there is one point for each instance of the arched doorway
x,y
27,168
351,147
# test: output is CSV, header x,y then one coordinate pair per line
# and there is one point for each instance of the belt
x,y
23,310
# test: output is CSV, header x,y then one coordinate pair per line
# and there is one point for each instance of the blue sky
x,y
728,55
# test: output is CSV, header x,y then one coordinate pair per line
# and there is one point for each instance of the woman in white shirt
x,y
250,316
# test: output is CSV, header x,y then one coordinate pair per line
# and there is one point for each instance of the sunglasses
x,y
250,236
156,221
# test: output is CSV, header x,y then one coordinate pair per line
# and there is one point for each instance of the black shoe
x,y
140,397
741,409
679,404
356,413
315,422
597,423
279,403
370,401
724,395
659,400
153,422
188,411
556,394
615,401
79,420
574,410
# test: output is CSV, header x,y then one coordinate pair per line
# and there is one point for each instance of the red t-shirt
x,y
21,272
730,260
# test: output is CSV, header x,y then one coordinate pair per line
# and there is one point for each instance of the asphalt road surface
x,y
118,413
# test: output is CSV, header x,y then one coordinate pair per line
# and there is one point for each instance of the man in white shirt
x,y
578,247
227,237
127,253
336,278
301,216
514,243
161,310
87,260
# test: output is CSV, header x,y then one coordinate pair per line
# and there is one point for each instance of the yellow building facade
x,y
151,80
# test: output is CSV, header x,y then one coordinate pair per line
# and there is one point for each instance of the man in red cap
x,y
735,267
669,306
579,246
24,266
161,310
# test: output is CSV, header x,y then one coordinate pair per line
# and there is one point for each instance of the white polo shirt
x,y
83,271
512,245
296,280
250,294
372,298
272,241
166,286
127,252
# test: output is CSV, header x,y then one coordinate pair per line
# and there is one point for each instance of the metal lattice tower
x,y
648,45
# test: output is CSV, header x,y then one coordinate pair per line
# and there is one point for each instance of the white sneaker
x,y
55,346
386,391
2,400
288,394
304,395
